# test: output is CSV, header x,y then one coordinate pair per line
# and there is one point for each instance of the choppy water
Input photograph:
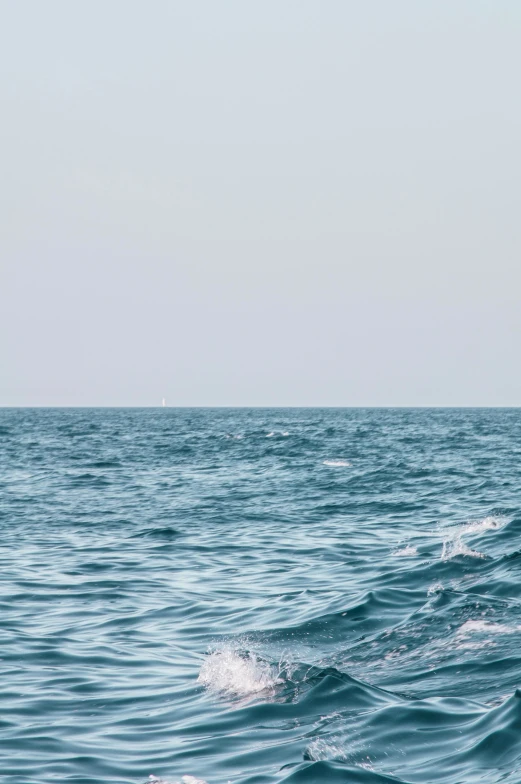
x,y
260,596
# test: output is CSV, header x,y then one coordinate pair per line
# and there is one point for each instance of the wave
x,y
446,740
371,734
406,551
365,624
88,479
489,523
453,544
103,464
337,773
232,673
367,613
166,533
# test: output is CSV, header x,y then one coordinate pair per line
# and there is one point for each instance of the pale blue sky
x,y
279,202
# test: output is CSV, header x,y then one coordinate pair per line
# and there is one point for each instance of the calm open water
x,y
260,595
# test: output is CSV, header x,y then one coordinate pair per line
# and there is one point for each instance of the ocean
x,y
255,596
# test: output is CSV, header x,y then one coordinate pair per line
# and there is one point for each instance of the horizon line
x,y
245,406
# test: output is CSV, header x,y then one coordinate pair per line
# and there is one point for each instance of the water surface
x,y
260,595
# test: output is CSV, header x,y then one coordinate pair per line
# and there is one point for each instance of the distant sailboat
x,y
163,403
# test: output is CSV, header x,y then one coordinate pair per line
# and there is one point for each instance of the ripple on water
x,y
194,596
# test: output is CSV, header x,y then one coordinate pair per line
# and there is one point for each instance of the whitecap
x,y
454,544
407,551
434,588
337,463
490,523
227,671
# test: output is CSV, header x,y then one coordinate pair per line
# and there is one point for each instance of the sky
x,y
273,202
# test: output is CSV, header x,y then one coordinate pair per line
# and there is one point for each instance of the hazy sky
x,y
260,202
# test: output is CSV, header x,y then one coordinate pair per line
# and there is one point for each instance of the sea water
x,y
260,595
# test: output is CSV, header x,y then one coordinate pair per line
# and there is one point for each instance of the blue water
x,y
258,596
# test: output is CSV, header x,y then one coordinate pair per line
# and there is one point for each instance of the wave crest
x,y
406,551
454,545
230,672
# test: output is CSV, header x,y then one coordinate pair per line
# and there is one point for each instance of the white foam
x,y
434,588
322,749
338,463
476,646
485,627
481,627
229,672
455,546
490,523
407,551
